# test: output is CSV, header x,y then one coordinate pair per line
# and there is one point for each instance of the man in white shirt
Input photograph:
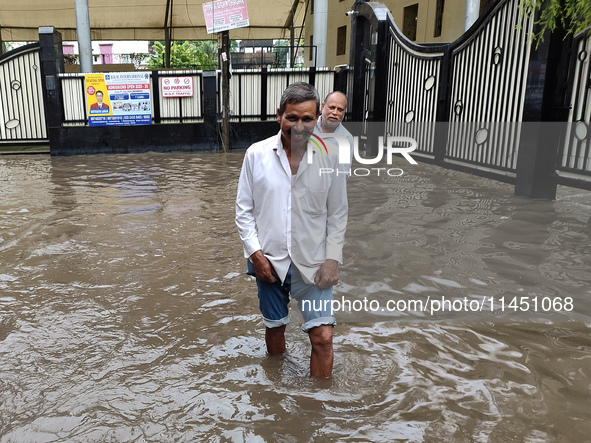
x,y
332,113
292,220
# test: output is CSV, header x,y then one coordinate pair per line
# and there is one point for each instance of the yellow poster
x,y
97,96
118,99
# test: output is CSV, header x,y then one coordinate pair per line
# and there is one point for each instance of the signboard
x,y
176,86
118,99
221,15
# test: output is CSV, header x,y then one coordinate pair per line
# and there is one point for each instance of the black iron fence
x,y
254,94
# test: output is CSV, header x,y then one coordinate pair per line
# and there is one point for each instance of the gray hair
x,y
299,92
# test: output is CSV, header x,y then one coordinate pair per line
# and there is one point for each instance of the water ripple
x,y
125,315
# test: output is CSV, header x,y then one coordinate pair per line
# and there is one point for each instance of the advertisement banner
x,y
97,97
222,15
118,99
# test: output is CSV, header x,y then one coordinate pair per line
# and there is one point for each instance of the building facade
x,y
421,21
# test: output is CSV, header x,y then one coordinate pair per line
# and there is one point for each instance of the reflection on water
x,y
125,315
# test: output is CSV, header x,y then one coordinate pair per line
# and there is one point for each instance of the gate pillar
x,y
369,61
52,64
544,124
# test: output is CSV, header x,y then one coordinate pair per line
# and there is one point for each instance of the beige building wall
x,y
452,24
453,18
336,19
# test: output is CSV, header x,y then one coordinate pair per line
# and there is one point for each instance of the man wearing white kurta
x,y
291,214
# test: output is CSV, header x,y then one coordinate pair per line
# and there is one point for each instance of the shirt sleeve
x,y
245,208
336,223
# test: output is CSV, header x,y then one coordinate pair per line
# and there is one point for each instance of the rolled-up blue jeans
x,y
314,303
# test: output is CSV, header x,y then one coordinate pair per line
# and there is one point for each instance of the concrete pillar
x,y
320,26
83,32
472,13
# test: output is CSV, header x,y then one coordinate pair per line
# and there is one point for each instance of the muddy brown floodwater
x,y
125,315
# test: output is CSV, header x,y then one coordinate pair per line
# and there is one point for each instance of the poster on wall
x,y
221,15
118,99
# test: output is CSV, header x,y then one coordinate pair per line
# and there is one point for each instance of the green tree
x,y
6,46
573,15
207,54
280,53
199,54
182,56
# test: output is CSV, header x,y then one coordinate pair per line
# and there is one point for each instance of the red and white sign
x,y
176,86
221,15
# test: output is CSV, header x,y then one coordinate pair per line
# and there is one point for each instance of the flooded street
x,y
126,316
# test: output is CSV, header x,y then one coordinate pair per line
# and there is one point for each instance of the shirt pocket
x,y
314,202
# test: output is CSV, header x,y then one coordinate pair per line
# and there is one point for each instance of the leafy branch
x,y
573,15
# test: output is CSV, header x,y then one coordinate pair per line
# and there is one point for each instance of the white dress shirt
x,y
297,218
339,130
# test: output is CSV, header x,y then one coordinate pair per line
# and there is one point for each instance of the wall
x,y
452,27
119,67
453,18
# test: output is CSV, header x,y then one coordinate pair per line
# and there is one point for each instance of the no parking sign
x,y
176,86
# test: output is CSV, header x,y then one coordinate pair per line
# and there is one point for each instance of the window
x,y
409,25
311,6
438,18
342,40
311,48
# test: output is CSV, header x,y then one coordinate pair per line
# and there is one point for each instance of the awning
x,y
143,19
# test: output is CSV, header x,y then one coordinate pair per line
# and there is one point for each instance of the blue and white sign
x,y
129,96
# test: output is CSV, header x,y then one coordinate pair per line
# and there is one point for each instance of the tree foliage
x,y
281,52
573,15
186,55
7,46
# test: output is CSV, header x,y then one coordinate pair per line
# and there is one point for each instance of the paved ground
x,y
28,149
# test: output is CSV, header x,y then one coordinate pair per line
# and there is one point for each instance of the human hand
x,y
327,275
262,267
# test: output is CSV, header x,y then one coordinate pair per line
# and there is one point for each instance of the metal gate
x,y
22,112
575,157
473,104
474,86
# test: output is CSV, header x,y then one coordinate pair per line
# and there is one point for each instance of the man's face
x,y
99,97
333,110
297,118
